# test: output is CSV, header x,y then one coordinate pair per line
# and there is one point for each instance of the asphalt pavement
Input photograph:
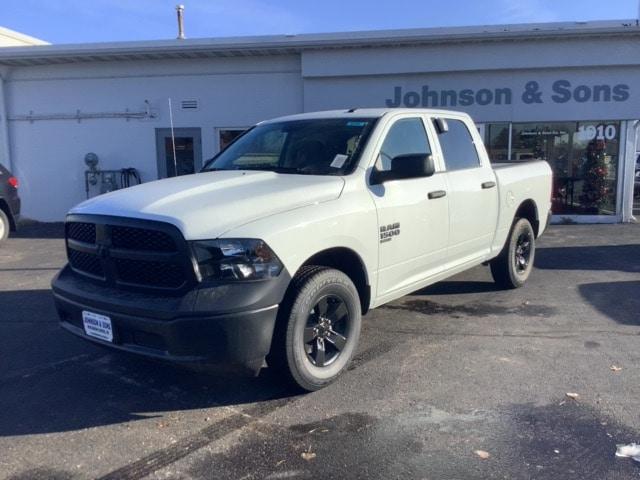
x,y
444,377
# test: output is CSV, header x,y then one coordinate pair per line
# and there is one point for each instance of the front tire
x,y
512,267
318,328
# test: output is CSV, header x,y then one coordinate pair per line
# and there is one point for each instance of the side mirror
x,y
414,165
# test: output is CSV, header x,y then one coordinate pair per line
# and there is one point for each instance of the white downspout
x,y
5,140
628,170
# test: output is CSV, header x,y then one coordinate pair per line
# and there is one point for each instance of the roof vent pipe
x,y
180,12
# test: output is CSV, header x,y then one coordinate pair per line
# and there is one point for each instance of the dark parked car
x,y
9,203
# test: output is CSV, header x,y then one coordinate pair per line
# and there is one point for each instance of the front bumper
x,y
228,325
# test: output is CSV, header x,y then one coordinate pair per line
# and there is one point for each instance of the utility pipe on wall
x,y
180,12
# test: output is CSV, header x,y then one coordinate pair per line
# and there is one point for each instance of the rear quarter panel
x,y
518,183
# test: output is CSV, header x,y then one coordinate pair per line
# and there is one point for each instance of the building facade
x,y
565,93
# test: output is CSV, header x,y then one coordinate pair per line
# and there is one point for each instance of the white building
x,y
568,93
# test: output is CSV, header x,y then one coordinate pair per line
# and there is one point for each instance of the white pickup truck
x,y
274,251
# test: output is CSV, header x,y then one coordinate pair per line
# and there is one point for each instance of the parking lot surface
x,y
441,376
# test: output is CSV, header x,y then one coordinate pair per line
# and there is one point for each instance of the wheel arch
x,y
348,262
529,210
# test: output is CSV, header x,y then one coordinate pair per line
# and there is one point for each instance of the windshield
x,y
311,147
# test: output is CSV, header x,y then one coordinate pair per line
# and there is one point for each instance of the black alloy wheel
x,y
325,334
522,254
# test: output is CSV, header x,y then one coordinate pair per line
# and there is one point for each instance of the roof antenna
x,y
180,12
351,110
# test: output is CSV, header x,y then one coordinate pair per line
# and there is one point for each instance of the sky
x,y
80,21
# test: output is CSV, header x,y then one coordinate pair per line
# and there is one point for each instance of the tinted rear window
x,y
457,145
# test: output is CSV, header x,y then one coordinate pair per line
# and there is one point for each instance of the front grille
x,y
132,238
121,255
86,263
152,274
82,232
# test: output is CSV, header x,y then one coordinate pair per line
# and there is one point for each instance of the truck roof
x,y
360,113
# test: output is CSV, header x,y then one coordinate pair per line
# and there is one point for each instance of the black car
x,y
9,202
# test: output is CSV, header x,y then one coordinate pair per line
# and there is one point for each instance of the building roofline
x,y
288,44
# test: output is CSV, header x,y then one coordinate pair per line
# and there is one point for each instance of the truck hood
x,y
206,205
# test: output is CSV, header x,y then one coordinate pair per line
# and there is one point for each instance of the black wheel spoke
x,y
338,341
337,312
320,352
309,334
322,307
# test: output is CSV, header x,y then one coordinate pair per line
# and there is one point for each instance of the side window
x,y
458,148
405,137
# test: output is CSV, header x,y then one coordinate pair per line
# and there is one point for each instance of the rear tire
x,y
5,226
512,267
318,328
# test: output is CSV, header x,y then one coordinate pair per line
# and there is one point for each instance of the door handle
x,y
437,194
488,184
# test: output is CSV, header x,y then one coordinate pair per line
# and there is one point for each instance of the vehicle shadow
x,y
623,258
620,301
458,287
52,381
39,230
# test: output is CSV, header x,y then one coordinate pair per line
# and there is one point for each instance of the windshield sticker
x,y
338,160
356,124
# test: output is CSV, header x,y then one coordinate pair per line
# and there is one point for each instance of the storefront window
x,y
583,157
498,141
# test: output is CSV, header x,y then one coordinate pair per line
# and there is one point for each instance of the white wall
x,y
48,155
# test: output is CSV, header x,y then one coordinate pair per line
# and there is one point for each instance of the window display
x,y
583,156
498,141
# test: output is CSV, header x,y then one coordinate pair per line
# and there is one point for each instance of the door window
x,y
406,136
458,149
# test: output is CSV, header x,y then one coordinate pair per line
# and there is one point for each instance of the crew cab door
x,y
413,227
472,189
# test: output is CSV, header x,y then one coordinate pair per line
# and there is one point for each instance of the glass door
x,y
180,154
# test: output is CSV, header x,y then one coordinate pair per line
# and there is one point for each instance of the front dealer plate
x,y
97,326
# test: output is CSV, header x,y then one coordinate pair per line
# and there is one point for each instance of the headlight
x,y
235,259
